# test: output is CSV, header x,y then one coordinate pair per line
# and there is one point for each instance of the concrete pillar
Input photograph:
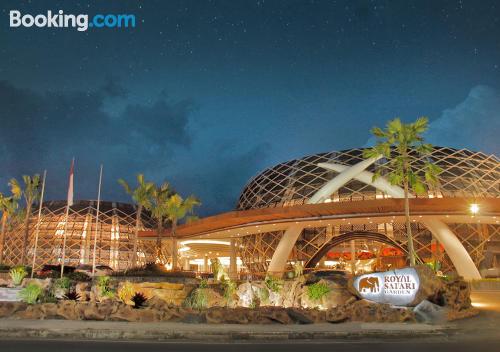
x,y
205,264
353,257
186,264
233,270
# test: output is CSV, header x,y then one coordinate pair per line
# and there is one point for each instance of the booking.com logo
x,y
62,20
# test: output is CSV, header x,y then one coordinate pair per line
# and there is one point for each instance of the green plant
x,y
72,296
273,284
47,297
298,269
31,193
63,283
198,298
104,286
229,288
126,291
397,144
317,291
31,293
17,274
78,276
139,299
141,196
263,295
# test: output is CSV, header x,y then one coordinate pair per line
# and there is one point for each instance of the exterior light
x,y
474,208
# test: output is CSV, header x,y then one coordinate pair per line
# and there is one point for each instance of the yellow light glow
x,y
474,208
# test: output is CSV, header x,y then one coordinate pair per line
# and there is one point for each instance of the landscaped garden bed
x,y
303,299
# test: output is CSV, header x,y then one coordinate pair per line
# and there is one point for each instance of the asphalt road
x,y
289,346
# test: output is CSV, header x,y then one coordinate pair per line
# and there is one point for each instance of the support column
x,y
353,257
282,252
186,264
454,248
205,264
233,270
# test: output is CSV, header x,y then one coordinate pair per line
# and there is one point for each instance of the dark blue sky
x,y
205,94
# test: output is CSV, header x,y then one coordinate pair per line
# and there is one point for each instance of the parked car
x,y
100,270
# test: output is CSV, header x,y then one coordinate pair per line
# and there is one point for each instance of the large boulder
x,y
7,309
399,287
172,293
428,312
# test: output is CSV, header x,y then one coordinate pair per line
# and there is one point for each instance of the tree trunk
x,y
174,245
408,224
2,235
133,261
26,233
159,229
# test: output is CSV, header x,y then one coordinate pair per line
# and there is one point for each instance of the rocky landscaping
x,y
305,299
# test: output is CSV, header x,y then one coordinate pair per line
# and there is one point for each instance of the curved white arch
x,y
454,248
452,245
287,242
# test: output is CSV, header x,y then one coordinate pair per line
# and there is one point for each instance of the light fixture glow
x,y
474,208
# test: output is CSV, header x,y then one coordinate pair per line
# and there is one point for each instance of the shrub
x,y
4,267
263,295
229,288
47,297
78,276
17,275
199,296
273,284
317,291
126,292
139,299
104,286
31,293
63,283
72,296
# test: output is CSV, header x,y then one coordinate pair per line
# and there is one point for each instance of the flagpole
x,y
97,221
70,189
37,231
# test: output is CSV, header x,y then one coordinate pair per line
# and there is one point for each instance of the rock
x,y
49,310
245,294
193,318
147,315
124,313
7,309
300,316
277,315
83,290
427,312
400,287
32,312
337,314
224,316
91,312
45,284
455,295
466,313
68,310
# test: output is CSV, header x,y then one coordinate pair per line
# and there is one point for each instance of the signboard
x,y
397,287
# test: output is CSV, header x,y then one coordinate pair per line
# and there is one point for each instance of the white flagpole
x,y
66,216
97,222
37,231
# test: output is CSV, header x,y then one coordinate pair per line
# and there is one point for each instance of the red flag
x,y
70,186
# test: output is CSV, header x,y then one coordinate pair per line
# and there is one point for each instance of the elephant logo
x,y
369,284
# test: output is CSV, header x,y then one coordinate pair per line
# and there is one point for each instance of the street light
x,y
474,208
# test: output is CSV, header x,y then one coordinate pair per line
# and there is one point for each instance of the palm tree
x,y
8,206
141,196
395,144
178,209
31,193
157,205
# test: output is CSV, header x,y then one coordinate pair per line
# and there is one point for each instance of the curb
x,y
214,335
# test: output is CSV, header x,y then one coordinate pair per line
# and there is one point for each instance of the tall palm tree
x,y
31,193
8,206
157,205
178,209
395,144
141,196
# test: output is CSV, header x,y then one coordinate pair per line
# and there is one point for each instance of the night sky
x,y
206,94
